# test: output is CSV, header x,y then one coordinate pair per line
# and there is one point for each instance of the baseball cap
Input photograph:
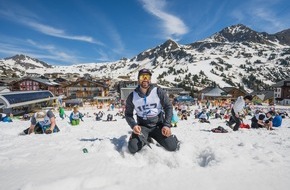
x,y
144,71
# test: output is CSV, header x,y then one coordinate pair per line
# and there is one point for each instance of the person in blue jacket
x,y
175,118
6,117
277,121
75,116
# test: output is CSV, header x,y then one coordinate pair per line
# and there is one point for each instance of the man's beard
x,y
145,84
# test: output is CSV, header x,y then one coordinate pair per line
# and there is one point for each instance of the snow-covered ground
x,y
248,159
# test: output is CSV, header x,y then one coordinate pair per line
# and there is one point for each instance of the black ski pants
x,y
169,143
234,120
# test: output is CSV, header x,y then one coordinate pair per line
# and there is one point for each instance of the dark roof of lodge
x,y
264,95
228,89
281,83
22,98
215,92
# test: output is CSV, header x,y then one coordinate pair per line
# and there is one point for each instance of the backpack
x,y
246,126
219,129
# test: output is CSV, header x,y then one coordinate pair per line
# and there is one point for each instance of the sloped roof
x,y
206,89
89,81
228,89
184,98
261,96
45,81
216,92
40,80
4,89
264,95
280,83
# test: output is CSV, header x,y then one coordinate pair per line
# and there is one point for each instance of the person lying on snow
x,y
99,115
203,116
6,117
42,122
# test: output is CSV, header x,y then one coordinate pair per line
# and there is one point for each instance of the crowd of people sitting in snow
x,y
151,113
267,118
259,118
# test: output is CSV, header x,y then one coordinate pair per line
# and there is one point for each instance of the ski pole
x,y
143,139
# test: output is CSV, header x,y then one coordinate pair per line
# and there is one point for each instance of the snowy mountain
x,y
241,33
236,56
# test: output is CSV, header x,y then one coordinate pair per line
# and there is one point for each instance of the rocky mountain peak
x,y
161,50
283,37
237,29
169,45
28,62
241,33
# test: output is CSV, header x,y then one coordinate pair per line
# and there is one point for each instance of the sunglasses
x,y
143,76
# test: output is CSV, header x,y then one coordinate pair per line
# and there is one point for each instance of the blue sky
x,y
66,32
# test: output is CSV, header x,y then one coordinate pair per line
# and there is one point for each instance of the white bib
x,y
45,121
76,115
149,106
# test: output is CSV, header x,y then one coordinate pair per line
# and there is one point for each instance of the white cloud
x,y
25,18
56,53
113,34
103,56
38,46
51,31
10,46
268,16
172,25
262,15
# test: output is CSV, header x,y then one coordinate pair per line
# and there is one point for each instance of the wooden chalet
x,y
216,95
86,89
263,97
36,84
282,92
212,93
234,92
